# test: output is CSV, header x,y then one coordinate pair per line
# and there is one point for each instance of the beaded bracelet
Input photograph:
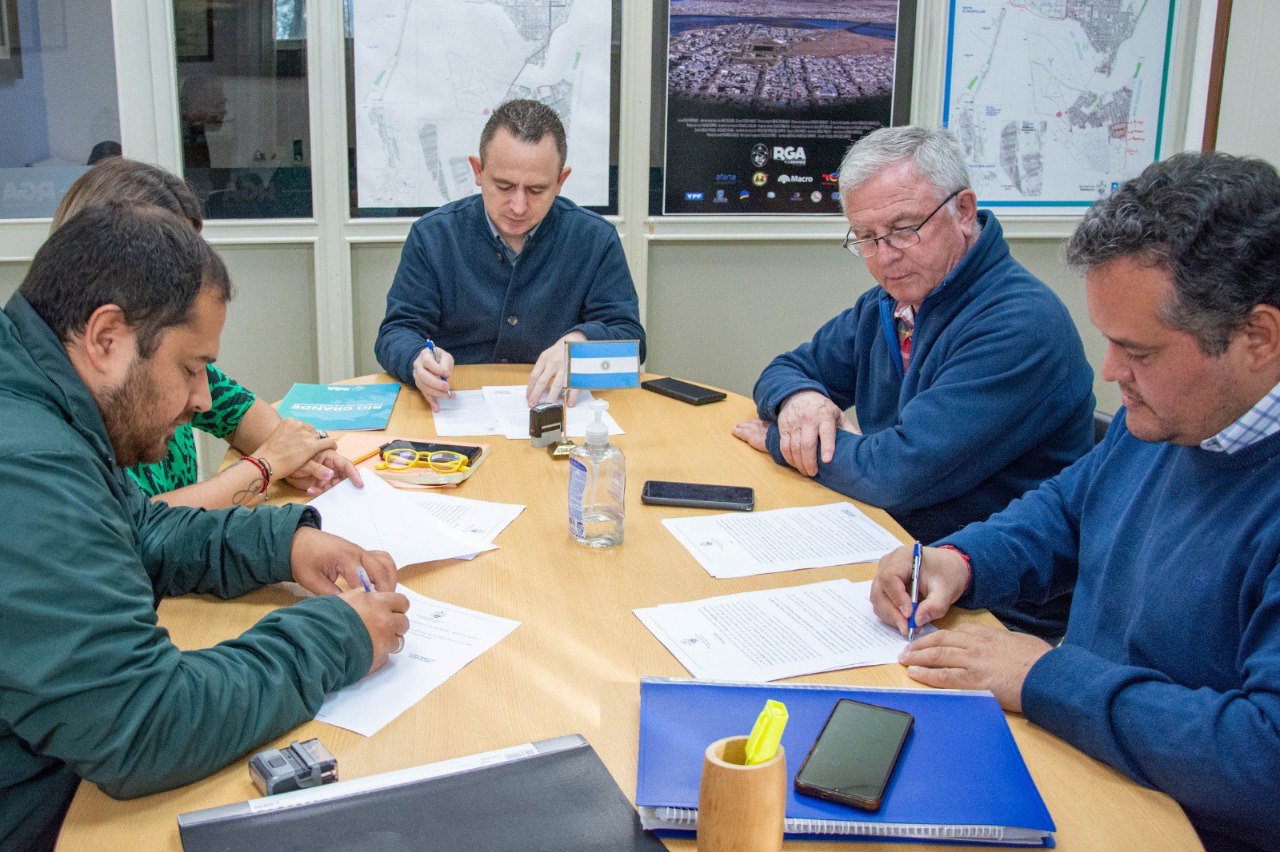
x,y
263,468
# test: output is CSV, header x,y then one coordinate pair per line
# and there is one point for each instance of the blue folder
x,y
960,778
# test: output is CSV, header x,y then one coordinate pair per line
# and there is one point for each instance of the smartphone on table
x,y
471,451
683,391
698,495
854,756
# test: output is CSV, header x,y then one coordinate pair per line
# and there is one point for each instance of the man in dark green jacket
x,y
102,353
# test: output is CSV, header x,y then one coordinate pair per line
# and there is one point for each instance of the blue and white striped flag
x,y
598,364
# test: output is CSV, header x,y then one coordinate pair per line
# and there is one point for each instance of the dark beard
x,y
125,412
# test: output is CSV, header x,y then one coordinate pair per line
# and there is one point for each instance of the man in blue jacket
x,y
1170,669
102,354
508,275
967,373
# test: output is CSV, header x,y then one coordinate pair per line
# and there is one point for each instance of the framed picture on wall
x,y
761,103
10,43
193,30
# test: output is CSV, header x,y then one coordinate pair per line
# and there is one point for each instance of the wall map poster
x,y
765,96
1056,103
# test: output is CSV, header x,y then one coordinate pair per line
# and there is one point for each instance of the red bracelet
x,y
968,566
263,469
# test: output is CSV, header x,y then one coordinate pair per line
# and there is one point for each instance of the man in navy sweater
x,y
967,373
508,275
1170,669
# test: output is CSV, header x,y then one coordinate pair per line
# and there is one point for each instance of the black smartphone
x,y
471,452
855,754
683,391
698,495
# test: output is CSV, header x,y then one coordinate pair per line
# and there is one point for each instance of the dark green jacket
x,y
90,686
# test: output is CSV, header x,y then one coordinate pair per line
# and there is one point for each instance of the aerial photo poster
x,y
765,96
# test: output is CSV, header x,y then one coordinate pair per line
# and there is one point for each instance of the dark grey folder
x,y
555,795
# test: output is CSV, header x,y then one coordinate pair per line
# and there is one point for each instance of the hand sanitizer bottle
x,y
597,483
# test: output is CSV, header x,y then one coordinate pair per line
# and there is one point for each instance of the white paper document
x,y
379,517
442,638
466,413
502,410
776,633
739,544
477,518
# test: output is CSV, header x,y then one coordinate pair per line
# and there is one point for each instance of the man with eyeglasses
x,y
1167,531
967,374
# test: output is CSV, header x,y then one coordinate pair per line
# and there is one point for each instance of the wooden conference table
x,y
574,665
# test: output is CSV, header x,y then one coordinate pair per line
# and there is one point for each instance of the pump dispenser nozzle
x,y
597,431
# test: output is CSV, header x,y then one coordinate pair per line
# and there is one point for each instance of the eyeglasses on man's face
x,y
902,238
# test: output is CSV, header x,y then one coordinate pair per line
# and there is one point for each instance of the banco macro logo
x,y
759,178
760,155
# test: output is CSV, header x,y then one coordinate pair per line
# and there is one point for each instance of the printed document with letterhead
x,y
738,544
776,633
502,410
442,639
480,519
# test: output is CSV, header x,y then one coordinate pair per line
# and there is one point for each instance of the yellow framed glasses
x,y
441,461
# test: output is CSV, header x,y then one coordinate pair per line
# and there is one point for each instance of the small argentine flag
x,y
602,364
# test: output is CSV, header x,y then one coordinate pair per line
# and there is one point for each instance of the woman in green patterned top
x,y
277,448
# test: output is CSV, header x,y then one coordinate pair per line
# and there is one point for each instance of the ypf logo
x,y
792,156
760,155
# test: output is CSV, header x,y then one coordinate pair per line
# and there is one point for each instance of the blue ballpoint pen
x,y
432,347
915,591
364,579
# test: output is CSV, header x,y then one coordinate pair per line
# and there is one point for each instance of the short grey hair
x,y
1212,222
935,152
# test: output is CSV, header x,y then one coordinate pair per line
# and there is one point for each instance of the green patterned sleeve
x,y
230,402
174,471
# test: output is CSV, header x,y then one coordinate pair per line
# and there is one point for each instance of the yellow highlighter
x,y
762,744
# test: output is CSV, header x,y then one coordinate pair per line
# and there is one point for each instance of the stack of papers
x,y
741,545
442,638
379,517
502,410
776,633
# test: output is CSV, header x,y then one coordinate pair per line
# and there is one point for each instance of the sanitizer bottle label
x,y
577,487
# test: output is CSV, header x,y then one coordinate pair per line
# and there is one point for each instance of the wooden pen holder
x,y
740,807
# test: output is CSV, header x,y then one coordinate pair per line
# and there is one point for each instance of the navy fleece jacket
x,y
456,287
998,396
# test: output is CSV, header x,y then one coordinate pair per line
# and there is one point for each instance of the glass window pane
x,y
242,98
58,105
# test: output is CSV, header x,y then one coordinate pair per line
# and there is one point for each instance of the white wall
x,y
1249,122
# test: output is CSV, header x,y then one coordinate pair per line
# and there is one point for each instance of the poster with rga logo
x,y
765,96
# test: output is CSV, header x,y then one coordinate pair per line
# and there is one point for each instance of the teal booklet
x,y
341,407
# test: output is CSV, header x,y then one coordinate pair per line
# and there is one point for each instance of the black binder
x,y
550,795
